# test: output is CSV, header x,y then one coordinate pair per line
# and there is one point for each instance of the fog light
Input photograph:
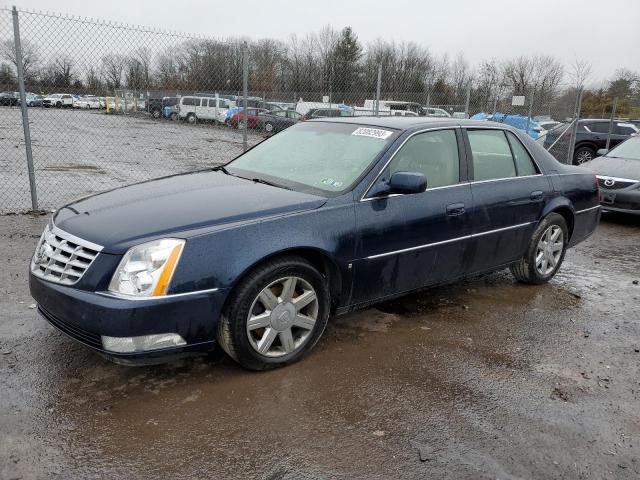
x,y
143,343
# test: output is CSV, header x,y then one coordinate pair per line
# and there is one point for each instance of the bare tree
x,y
580,72
61,71
30,57
113,65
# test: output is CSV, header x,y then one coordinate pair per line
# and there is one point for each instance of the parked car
x,y
34,100
323,218
252,116
274,122
436,112
58,100
618,173
192,109
88,102
547,125
164,107
9,99
326,112
591,135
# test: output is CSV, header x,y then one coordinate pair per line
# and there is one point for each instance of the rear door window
x,y
491,155
599,127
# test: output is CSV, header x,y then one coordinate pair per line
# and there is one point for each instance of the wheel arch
x,y
587,143
563,207
320,259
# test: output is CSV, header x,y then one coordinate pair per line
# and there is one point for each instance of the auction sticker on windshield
x,y
372,132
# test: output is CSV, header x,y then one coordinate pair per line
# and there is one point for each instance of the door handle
x,y
537,195
455,209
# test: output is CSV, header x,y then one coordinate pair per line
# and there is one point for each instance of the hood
x,y
180,206
615,167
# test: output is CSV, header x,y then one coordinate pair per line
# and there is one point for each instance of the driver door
x,y
410,241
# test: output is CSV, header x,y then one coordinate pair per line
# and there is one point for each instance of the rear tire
x,y
545,252
246,343
583,154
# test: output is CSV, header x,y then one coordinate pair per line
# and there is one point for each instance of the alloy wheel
x,y
549,250
282,317
583,157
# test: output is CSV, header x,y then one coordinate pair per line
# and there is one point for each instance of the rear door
x,y
410,241
509,194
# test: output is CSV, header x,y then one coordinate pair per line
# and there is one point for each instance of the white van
x,y
192,108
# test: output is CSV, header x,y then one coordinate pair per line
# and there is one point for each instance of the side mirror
x,y
401,182
602,152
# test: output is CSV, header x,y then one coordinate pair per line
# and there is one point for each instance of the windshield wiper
x,y
266,182
223,169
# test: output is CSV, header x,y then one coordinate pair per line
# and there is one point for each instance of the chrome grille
x,y
613,183
61,257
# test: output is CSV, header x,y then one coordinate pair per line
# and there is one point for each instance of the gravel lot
x,y
78,152
481,379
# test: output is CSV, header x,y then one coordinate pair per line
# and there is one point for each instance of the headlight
x,y
146,270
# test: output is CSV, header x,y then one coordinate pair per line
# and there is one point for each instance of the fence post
x,y
23,108
377,109
533,91
613,114
574,130
466,102
245,93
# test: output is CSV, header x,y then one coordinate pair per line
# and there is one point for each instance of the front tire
x,y
275,315
191,118
545,252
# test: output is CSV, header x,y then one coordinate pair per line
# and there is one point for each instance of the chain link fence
x,y
107,104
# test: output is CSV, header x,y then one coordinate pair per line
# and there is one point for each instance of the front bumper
x,y
624,201
86,316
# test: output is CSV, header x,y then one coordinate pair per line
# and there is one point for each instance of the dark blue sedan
x,y
323,218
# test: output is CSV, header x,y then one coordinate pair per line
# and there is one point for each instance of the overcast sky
x,y
605,33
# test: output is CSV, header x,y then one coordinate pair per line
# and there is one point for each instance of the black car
x,y
591,135
618,173
276,121
9,99
326,217
157,106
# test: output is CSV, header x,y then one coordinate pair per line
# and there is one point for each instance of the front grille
x,y
88,338
61,257
623,205
610,183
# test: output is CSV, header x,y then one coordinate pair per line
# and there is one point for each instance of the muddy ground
x,y
480,379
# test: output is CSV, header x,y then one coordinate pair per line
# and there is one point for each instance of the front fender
x,y
219,258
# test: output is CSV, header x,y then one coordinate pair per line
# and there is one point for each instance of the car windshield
x,y
315,157
629,149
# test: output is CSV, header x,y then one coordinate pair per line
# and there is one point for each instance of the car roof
x,y
408,122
